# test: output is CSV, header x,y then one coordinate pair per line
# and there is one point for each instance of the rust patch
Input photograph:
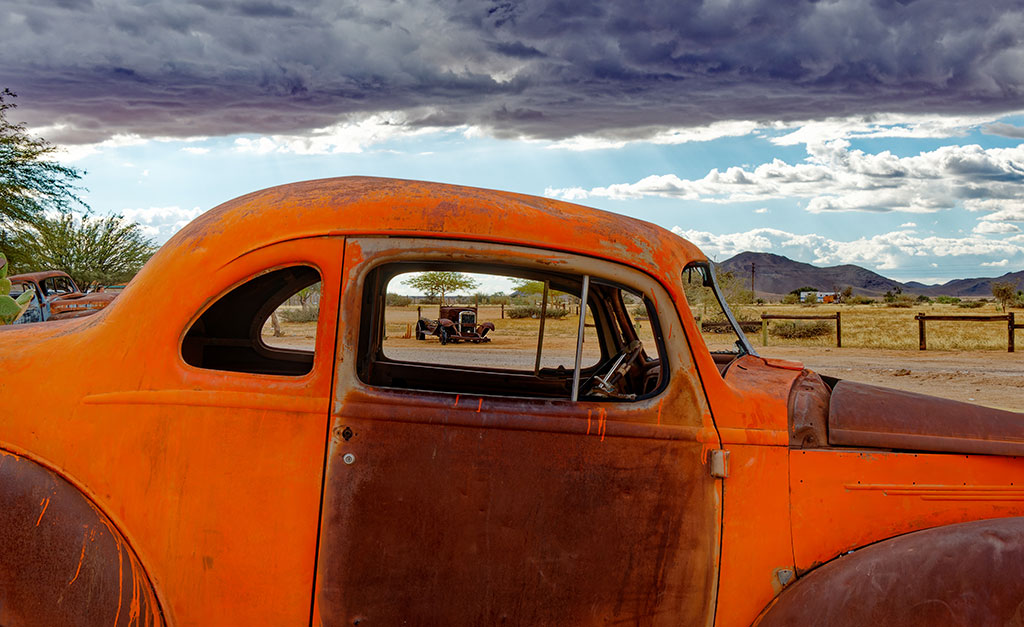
x,y
866,415
64,568
964,574
462,517
808,411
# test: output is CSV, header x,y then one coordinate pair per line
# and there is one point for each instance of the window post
x,y
579,339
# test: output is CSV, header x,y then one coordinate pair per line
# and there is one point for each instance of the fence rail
x,y
836,316
1008,318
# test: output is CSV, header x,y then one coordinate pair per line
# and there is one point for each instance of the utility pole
x,y
752,265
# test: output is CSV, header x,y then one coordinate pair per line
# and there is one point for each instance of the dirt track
x,y
991,378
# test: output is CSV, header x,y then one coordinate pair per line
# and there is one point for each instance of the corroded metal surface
x,y
63,561
965,574
77,305
866,415
808,411
443,524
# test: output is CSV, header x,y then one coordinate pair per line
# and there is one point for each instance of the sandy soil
x,y
991,378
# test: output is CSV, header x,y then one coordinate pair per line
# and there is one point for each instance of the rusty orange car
x,y
168,461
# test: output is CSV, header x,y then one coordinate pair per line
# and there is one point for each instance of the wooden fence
x,y
836,316
1007,318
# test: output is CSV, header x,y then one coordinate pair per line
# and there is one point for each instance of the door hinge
x,y
718,463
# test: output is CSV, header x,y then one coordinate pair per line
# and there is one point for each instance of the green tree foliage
x,y
30,180
806,288
1005,292
526,287
438,284
107,250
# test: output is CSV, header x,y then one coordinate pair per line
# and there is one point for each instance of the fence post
x,y
1009,344
764,332
839,331
920,330
419,314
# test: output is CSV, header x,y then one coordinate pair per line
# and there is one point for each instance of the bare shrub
x,y
301,314
533,311
802,330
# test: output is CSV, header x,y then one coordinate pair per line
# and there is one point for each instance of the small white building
x,y
820,297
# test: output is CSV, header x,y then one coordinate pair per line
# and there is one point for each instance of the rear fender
x,y
963,574
62,561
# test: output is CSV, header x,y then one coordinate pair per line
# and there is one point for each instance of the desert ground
x,y
967,362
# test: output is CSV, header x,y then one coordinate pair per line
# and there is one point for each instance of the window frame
x,y
507,261
259,346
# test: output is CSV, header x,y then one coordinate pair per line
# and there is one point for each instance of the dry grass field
x,y
964,361
878,326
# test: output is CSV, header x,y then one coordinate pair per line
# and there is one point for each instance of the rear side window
x,y
267,325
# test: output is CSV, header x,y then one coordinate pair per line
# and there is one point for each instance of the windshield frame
x,y
706,270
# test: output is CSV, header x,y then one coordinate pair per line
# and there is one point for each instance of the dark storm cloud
x,y
544,68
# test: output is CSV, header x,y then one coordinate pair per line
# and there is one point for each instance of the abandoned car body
x,y
190,470
57,297
455,324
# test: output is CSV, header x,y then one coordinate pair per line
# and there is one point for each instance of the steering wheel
x,y
621,364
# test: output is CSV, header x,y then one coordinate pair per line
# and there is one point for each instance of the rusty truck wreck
x,y
455,324
189,473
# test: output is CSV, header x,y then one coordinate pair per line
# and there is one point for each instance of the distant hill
x,y
775,274
975,287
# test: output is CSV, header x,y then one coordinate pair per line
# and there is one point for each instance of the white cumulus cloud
x,y
354,134
885,251
161,222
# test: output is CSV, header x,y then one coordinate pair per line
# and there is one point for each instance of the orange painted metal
x,y
216,480
212,477
844,499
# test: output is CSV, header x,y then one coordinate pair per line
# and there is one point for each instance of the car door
x,y
471,488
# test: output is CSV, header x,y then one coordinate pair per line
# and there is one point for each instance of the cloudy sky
x,y
888,134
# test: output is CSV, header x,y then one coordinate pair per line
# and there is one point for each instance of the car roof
x,y
37,276
379,206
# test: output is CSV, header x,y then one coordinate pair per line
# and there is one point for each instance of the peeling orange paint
x,y
81,558
120,580
44,504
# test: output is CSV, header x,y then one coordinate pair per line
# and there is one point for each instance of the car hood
x,y
835,412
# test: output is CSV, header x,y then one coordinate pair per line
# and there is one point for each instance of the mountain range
x,y
777,275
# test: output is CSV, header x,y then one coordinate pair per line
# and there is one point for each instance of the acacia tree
x,y
1005,292
31,182
437,284
107,250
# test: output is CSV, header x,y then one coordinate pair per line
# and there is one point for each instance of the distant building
x,y
821,297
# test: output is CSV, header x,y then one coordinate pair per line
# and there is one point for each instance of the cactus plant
x,y
11,308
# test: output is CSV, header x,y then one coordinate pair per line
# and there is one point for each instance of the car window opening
x,y
528,340
241,332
